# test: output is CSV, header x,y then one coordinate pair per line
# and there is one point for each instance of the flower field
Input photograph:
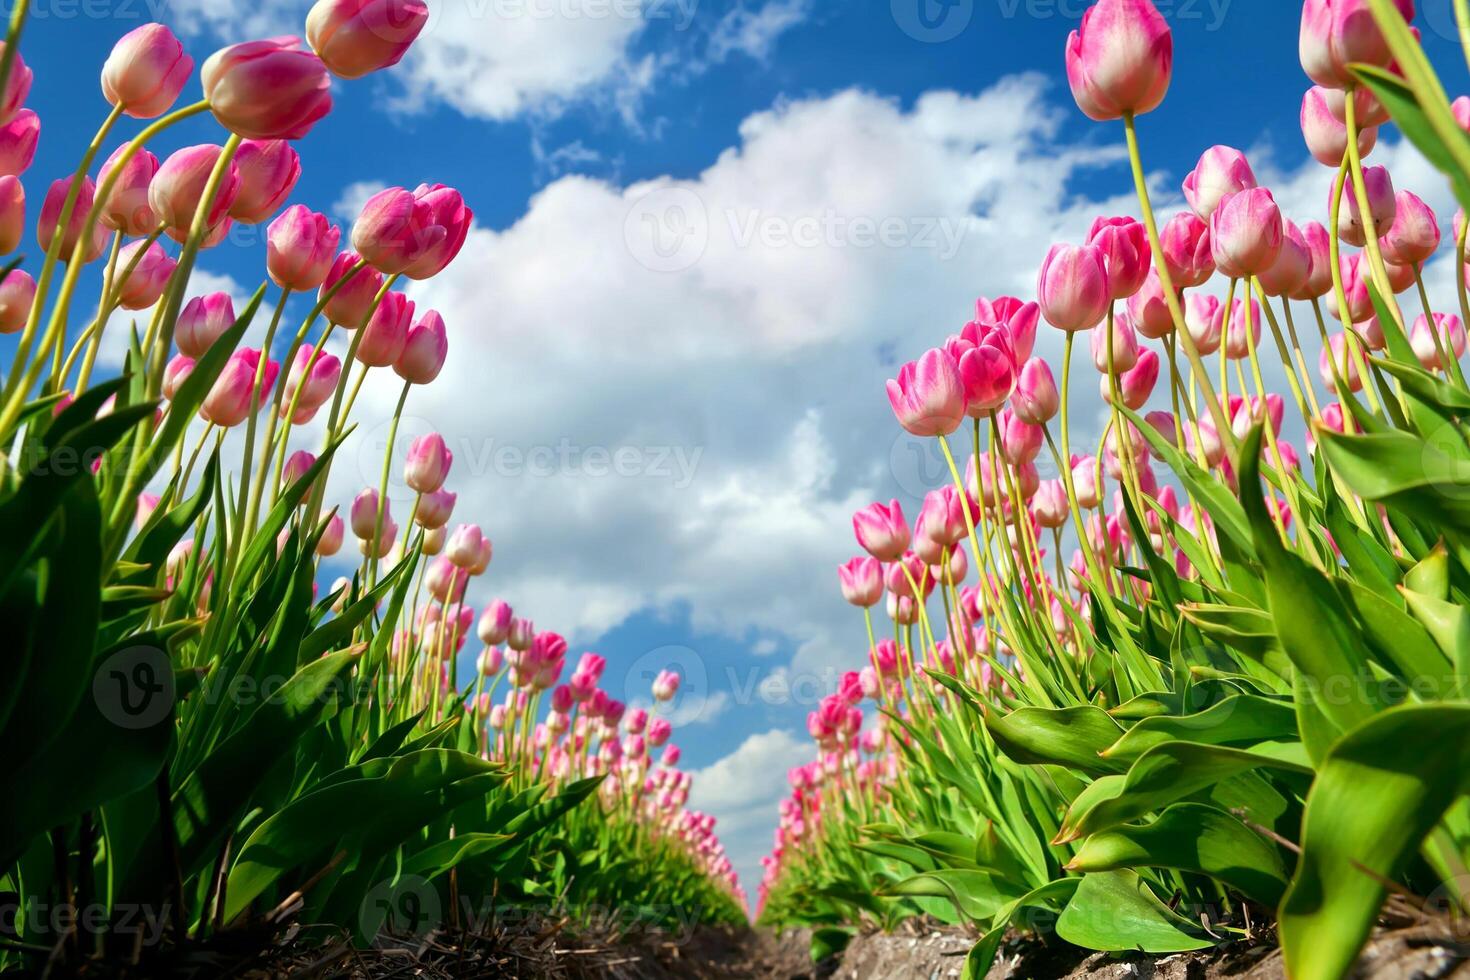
x,y
1206,689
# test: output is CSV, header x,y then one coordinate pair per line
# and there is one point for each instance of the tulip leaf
x,y
1073,737
1240,720
1115,911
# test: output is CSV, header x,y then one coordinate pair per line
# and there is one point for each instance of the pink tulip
x,y
395,229
1356,274
1382,207
316,388
670,758
51,209
1336,359
17,294
494,625
16,89
1221,172
1084,482
428,463
928,396
1400,277
1238,342
1337,33
1289,274
231,399
146,71
1020,441
331,540
987,374
268,172
1149,309
1246,232
1049,505
357,37
665,686
1126,253
1185,242
351,304
449,212
1017,320
862,581
423,356
298,464
1120,59
201,323
12,214
882,530
1073,287
1326,133
1118,352
18,141
1035,399
363,516
146,283
300,248
178,188
1414,236
1204,318
465,545
386,333
1319,248
942,518
435,509
267,90
1136,384
1451,338
126,208
175,373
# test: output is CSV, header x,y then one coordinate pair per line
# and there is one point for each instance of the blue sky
x,y
738,365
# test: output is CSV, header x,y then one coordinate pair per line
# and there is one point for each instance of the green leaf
x,y
1073,737
977,895
1115,911
829,942
1240,720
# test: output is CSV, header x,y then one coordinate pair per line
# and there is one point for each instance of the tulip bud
x,y
449,212
1326,133
494,625
1126,253
268,172
1288,275
1413,237
126,208
349,306
298,464
435,509
987,377
178,188
18,141
862,581
51,210
1356,274
331,540
386,537
395,229
357,37
17,294
1337,33
1084,482
464,546
1319,248
882,531
12,214
267,90
234,394
1221,172
424,353
1246,232
149,277
1382,207
665,686
316,388
1049,506
1120,59
146,71
202,321
363,516
1451,339
1237,346
1114,349
1185,243
1035,399
1136,384
16,89
428,463
1073,287
300,247
386,333
1149,309
175,373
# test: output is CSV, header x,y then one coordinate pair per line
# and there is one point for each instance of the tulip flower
x,y
146,71
126,208
175,373
1341,363
357,37
384,542
1356,275
882,531
1382,207
464,545
385,335
363,516
18,141
1126,253
395,229
1049,505
1073,287
233,396
1221,172
929,395
1136,384
1413,238
1326,133
1319,248
1185,243
1337,33
267,90
862,581
1288,275
300,248
150,276
942,517
202,321
51,209
16,88
1451,339
298,464
987,374
268,172
178,188
1035,399
349,306
424,353
316,388
12,214
1114,346
1084,482
428,463
665,685
1149,310
1120,59
17,294
1017,320
1246,232
434,509
449,212
1020,441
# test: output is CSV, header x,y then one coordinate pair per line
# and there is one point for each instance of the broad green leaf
x,y
1074,737
1114,911
1240,720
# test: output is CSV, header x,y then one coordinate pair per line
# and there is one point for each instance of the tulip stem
x,y
1365,212
372,559
12,41
248,454
1350,332
1171,297
1301,360
104,314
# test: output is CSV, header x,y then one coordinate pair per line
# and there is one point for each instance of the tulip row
x,y
1246,689
188,716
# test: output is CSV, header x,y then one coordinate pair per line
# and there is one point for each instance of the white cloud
x,y
742,791
754,32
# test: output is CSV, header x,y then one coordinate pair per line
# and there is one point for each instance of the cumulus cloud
x,y
742,791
